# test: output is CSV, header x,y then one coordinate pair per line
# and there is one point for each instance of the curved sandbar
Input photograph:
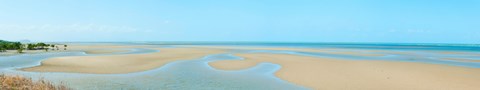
x,y
115,64
338,74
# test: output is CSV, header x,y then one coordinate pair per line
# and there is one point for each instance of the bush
x,y
3,49
21,83
20,50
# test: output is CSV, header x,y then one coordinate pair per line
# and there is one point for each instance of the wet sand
x,y
116,64
462,59
457,53
106,51
339,74
104,48
312,72
14,52
353,52
88,49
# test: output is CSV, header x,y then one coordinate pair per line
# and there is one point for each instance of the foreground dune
x,y
337,74
115,64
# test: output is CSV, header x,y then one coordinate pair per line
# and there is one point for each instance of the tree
x,y
64,47
6,45
53,47
20,49
2,49
31,46
3,45
41,45
17,45
10,46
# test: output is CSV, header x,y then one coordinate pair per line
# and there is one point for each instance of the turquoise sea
x,y
197,74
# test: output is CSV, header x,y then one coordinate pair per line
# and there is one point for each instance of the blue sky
x,y
391,21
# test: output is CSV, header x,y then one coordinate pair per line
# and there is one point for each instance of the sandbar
x,y
340,74
462,59
340,51
117,64
104,48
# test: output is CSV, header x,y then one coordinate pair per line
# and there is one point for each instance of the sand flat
x,y
89,49
116,64
467,53
106,51
338,74
354,52
104,48
462,59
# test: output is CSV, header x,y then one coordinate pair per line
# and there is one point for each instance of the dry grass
x,y
20,83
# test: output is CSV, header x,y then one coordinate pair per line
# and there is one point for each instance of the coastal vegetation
x,y
22,83
19,47
3,49
6,45
20,50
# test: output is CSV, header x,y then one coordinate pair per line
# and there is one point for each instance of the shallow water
x,y
197,74
186,74
412,56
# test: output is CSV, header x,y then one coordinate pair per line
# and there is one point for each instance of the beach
x,y
114,64
338,74
341,51
320,70
88,49
239,44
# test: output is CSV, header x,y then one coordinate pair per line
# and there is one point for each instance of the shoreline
x,y
88,49
311,72
337,51
332,74
119,64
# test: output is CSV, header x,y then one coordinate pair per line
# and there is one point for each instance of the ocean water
x,y
197,74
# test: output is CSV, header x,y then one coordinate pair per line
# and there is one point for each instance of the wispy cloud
x,y
71,32
76,28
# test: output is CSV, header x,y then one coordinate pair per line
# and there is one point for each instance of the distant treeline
x,y
7,45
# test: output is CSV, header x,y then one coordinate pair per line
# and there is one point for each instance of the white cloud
x,y
68,32
78,28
